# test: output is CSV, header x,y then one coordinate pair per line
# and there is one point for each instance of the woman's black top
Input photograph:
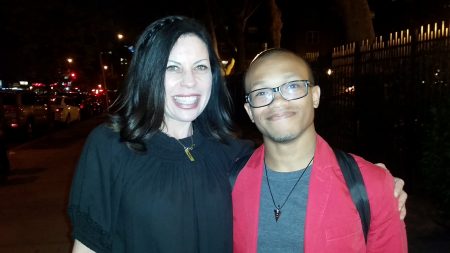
x,y
158,201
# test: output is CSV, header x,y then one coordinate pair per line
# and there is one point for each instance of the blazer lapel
x,y
319,191
246,200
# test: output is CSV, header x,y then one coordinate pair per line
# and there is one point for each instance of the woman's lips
x,y
186,102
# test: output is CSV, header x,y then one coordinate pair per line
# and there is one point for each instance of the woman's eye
x,y
202,67
173,68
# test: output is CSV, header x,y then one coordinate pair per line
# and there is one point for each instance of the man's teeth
x,y
186,100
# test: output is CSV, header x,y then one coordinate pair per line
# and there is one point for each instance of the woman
x,y
154,179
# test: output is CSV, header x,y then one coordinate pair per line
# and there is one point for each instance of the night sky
x,y
37,36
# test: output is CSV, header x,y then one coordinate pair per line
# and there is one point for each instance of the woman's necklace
x,y
187,150
277,210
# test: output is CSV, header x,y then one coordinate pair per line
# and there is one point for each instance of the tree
x,y
277,23
357,19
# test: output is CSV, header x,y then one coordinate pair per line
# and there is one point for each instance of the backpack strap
x,y
355,184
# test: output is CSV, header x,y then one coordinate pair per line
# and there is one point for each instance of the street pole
x,y
104,79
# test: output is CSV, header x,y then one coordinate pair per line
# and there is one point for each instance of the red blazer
x,y
332,221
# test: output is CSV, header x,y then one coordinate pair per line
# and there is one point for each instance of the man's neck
x,y
290,156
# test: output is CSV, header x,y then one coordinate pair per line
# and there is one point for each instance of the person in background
x,y
5,166
291,195
154,178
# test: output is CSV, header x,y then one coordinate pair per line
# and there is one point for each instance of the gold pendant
x,y
189,155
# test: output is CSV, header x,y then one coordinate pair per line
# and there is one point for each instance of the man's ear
x,y
249,111
315,90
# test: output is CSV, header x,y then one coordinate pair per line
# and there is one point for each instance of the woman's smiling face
x,y
188,80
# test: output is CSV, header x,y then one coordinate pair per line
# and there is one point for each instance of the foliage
x,y
435,158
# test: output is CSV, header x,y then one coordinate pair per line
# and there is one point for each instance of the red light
x,y
73,75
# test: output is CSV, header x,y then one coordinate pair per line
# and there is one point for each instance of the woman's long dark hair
x,y
138,112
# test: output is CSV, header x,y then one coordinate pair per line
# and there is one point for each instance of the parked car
x,y
24,110
65,109
95,105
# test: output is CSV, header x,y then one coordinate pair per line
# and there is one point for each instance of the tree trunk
x,y
357,19
210,6
249,7
277,23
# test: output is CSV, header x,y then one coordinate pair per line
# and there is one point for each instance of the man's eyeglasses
x,y
289,91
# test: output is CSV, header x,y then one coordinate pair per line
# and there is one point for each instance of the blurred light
x,y
120,36
105,67
69,60
350,89
329,72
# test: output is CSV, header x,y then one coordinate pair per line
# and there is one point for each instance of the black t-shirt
x,y
158,201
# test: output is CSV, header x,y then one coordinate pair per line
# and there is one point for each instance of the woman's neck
x,y
178,131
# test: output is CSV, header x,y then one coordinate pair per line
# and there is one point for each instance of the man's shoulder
x,y
378,181
369,170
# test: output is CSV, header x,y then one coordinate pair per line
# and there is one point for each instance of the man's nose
x,y
278,98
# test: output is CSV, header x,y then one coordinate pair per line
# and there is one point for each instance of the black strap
x,y
355,184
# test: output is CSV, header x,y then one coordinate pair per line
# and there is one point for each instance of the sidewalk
x,y
426,232
33,216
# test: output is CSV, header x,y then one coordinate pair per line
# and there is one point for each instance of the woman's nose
x,y
188,79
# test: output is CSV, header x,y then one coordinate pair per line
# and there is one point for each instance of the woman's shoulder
x,y
104,139
104,133
236,147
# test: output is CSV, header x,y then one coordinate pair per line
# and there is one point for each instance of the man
x,y
291,195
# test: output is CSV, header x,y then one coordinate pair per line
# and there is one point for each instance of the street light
x,y
120,36
103,69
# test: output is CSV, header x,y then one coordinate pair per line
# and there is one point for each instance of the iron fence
x,y
378,97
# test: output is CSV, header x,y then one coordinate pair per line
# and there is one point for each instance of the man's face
x,y
282,121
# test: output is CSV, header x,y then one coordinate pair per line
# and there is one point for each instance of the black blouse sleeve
x,y
92,202
238,149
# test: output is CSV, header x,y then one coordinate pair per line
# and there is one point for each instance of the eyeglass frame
x,y
307,84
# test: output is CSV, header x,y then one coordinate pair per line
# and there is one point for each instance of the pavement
x,y
34,200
